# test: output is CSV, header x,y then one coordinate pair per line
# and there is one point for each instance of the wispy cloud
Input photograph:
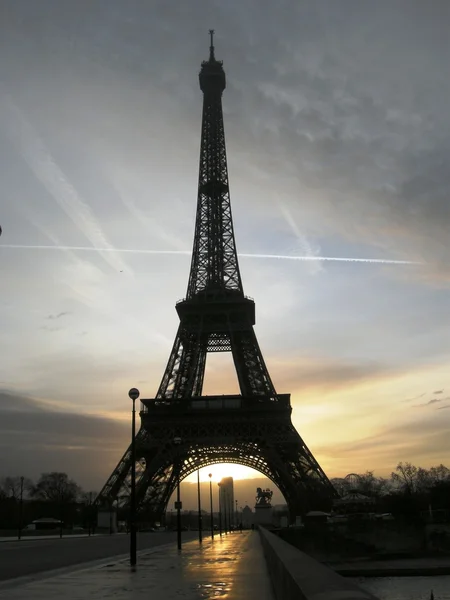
x,y
51,329
49,173
126,192
439,392
381,261
301,239
433,401
59,315
414,398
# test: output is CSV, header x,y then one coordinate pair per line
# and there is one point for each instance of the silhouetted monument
x,y
263,506
182,430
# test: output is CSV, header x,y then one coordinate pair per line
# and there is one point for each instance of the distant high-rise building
x,y
247,516
226,499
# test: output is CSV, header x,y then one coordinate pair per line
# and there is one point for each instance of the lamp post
x,y
90,514
220,514
20,508
199,508
211,502
177,442
134,395
224,509
236,516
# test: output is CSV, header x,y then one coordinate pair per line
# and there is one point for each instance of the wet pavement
x,y
14,538
37,556
232,567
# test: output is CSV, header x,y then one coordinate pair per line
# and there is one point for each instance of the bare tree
x,y
11,487
439,474
340,485
411,479
371,485
56,487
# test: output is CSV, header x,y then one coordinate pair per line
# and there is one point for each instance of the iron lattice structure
x,y
253,428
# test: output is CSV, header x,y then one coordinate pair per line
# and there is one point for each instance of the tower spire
x,y
212,58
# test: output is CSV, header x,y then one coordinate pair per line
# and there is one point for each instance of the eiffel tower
x,y
181,430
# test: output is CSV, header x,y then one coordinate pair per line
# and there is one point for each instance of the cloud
x,y
44,439
342,120
414,398
59,315
302,374
48,172
439,392
423,442
433,401
302,241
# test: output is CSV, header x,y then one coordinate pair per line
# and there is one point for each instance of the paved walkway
x,y
232,567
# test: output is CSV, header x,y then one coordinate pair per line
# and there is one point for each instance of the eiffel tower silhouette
x,y
181,430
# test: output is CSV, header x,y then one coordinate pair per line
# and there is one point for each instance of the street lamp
x,y
90,514
21,508
177,442
211,502
199,508
236,516
223,508
220,513
134,395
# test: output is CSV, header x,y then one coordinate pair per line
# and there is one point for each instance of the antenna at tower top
x,y
211,48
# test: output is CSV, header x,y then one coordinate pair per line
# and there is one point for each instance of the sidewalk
x,y
232,567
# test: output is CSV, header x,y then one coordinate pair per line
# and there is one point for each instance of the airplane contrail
x,y
383,261
45,168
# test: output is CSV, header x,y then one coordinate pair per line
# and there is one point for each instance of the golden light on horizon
x,y
221,470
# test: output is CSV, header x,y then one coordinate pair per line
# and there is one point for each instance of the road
x,y
31,557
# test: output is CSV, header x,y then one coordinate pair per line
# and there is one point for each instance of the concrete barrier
x,y
297,576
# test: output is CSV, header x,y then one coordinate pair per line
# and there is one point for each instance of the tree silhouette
x,y
56,487
10,487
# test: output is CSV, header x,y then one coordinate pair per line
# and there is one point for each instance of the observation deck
x,y
223,405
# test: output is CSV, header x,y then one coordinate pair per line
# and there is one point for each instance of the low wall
x,y
297,576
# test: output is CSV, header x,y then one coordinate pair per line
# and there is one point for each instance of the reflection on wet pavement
x,y
231,567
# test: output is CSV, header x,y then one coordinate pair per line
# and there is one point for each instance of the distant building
x,y
46,523
226,500
247,516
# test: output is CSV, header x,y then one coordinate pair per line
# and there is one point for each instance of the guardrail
x,y
297,576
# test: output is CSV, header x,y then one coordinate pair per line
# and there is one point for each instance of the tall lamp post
x,y
90,514
21,508
223,508
134,395
199,508
177,442
211,503
236,517
220,513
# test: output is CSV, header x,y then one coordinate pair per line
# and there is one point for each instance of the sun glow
x,y
219,471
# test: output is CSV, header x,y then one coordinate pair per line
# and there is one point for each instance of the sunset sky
x,y
338,139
